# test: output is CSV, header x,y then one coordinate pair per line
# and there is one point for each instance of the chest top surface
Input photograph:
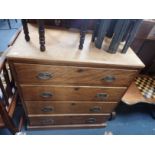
x,y
62,46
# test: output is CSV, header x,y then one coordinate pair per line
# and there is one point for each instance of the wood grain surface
x,y
66,120
68,107
62,47
71,93
29,74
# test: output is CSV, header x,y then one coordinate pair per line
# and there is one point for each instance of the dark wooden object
x,y
101,32
131,35
118,30
25,28
41,34
83,31
8,20
41,30
8,99
95,31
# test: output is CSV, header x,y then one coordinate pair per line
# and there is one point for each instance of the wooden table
x,y
134,96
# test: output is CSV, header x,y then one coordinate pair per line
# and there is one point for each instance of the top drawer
x,y
50,74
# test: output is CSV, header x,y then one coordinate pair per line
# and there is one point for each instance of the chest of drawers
x,y
65,87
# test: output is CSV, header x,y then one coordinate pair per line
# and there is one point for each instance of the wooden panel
x,y
68,107
30,73
68,120
62,47
72,93
73,126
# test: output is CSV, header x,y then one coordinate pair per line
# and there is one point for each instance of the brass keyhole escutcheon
x,y
47,109
44,76
109,78
46,94
101,96
95,109
91,120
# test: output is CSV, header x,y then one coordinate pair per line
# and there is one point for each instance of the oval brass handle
x,y
101,96
47,109
91,120
44,76
95,109
47,121
109,78
46,94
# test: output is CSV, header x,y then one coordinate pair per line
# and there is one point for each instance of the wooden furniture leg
x,y
103,28
41,34
25,28
95,31
119,32
132,35
83,32
7,120
112,116
9,23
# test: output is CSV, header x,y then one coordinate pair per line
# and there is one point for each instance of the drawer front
x,y
45,74
61,93
67,120
68,107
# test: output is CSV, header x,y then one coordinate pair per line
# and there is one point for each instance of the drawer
x,y
67,120
49,74
69,107
71,93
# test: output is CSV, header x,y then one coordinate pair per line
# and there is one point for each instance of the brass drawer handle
x,y
101,96
47,109
46,94
47,121
91,120
95,109
44,76
109,78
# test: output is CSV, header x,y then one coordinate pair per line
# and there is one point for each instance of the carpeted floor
x,y
130,120
6,33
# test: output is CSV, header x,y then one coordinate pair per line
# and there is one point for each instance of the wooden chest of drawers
x,y
65,87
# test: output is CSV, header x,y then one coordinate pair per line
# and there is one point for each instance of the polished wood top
x,y
62,46
134,96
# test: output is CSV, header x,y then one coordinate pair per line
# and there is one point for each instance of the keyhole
x,y
76,88
80,70
73,103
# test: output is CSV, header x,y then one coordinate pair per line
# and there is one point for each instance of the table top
x,y
62,46
134,96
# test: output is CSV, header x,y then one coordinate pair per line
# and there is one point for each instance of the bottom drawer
x,y
67,120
